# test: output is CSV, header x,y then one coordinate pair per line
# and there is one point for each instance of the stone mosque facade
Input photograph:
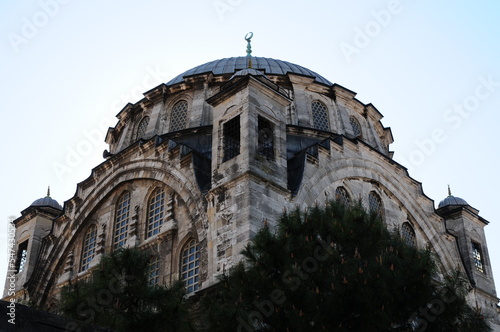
x,y
197,167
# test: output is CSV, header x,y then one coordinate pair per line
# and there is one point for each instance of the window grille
x,y
408,235
89,246
356,127
265,138
155,212
153,271
22,256
190,269
141,129
179,116
320,116
342,196
231,137
375,203
121,220
477,254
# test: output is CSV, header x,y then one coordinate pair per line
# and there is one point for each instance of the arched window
x,y
356,127
408,234
320,116
156,207
190,266
121,220
375,203
153,271
141,129
342,196
178,116
89,246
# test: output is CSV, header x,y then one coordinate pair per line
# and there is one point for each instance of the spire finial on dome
x,y
48,191
248,38
449,191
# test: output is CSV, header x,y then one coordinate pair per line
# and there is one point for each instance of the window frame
x,y
121,220
380,208
318,118
265,145
478,257
410,235
155,229
88,248
190,254
142,128
175,112
342,196
231,149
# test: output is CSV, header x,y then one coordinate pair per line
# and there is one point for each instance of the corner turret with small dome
x,y
194,168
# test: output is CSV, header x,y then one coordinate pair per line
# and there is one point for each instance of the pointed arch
x,y
342,196
408,234
141,128
375,204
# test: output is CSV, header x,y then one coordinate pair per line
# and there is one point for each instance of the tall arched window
x,y
408,234
121,220
156,207
375,203
342,196
320,116
356,127
89,246
141,129
178,116
190,266
153,271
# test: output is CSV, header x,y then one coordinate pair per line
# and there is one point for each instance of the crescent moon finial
x,y
248,38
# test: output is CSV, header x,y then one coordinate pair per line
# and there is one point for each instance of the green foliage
x,y
117,295
337,268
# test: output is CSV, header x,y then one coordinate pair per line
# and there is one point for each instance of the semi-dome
x,y
47,201
452,201
232,65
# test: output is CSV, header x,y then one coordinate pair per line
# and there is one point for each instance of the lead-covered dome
x,y
47,201
232,65
452,201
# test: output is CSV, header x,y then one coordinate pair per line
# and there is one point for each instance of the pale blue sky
x,y
67,66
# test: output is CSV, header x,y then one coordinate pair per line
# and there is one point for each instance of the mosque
x,y
195,167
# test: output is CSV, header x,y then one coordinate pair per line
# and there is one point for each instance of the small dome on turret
x,y
452,200
47,201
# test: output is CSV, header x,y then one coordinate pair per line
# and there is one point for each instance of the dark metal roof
x,y
47,201
452,200
232,65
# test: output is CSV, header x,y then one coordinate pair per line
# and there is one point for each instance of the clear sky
x,y
431,68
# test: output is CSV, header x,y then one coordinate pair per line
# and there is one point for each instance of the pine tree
x,y
118,296
337,268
